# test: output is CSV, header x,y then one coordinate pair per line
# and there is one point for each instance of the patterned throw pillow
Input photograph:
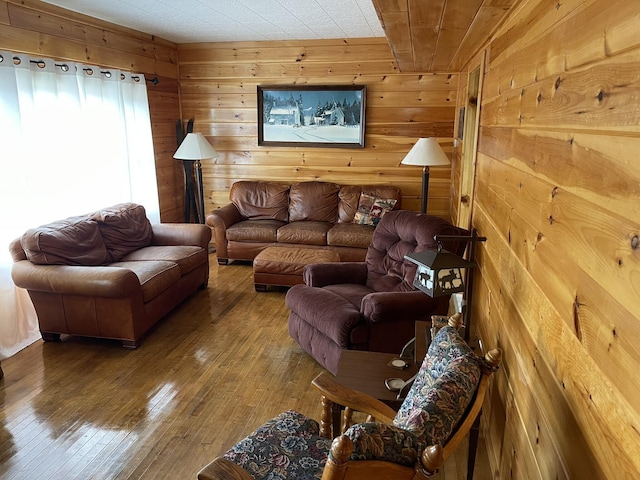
x,y
379,441
371,209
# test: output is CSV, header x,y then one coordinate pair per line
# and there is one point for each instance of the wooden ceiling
x,y
438,35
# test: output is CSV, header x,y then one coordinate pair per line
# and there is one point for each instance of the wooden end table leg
x,y
473,446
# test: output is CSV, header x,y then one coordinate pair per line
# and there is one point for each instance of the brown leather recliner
x,y
370,305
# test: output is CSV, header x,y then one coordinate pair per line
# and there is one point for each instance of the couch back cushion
x,y
72,241
349,198
401,232
314,201
124,229
261,200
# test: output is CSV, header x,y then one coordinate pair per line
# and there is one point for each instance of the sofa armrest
x,y
75,280
220,220
181,234
323,274
391,306
224,217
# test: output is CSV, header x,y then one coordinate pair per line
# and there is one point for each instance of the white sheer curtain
x,y
74,138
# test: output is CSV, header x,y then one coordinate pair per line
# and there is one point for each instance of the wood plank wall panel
x,y
218,83
557,186
40,29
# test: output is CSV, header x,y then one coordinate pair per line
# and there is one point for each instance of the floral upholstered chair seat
x,y
287,446
290,446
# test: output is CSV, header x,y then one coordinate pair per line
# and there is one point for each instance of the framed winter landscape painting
x,y
311,116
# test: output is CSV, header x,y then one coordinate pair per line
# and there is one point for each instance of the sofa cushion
x,y
304,233
124,228
263,231
261,200
72,241
313,201
187,257
350,235
155,276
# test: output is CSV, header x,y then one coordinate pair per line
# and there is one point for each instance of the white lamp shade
x,y
195,147
426,152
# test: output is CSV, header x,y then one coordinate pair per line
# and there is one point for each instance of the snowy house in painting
x,y
287,115
335,116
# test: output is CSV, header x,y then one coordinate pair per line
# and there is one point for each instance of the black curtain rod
x,y
64,67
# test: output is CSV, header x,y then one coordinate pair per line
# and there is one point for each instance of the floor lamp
x,y
194,148
426,153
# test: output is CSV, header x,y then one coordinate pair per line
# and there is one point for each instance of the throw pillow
x,y
371,209
379,441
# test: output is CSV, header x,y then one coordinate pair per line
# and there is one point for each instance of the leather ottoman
x,y
282,266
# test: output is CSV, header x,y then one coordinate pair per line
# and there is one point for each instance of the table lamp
x,y
427,153
194,148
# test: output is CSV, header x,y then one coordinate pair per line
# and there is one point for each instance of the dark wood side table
x,y
367,372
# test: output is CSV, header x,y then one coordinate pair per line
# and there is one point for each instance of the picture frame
x,y
311,116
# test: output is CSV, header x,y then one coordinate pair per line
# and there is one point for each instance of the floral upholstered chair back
x,y
443,389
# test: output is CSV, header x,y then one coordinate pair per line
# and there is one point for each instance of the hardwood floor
x,y
210,373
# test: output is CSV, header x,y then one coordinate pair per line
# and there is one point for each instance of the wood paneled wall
x,y
557,195
37,28
218,90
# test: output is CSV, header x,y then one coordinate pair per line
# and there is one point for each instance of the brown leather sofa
x,y
109,274
307,214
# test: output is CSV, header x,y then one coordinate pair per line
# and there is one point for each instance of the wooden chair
x,y
297,447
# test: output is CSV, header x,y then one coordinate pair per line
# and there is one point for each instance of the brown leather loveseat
x,y
306,214
109,274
